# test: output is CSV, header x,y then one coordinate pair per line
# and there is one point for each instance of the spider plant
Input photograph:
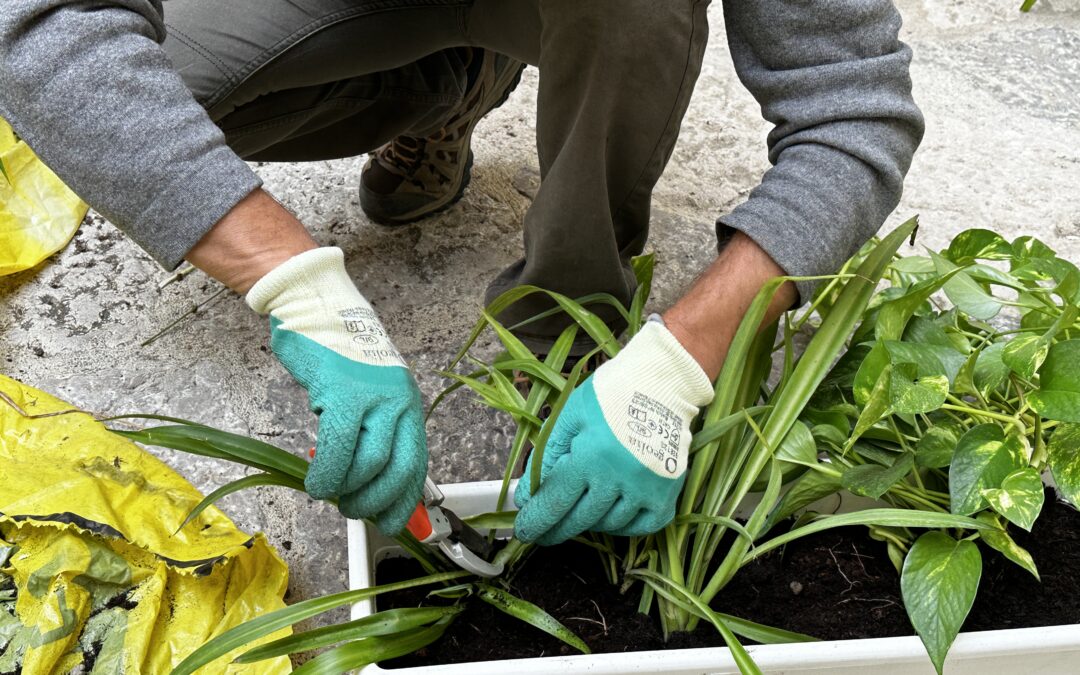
x,y
353,644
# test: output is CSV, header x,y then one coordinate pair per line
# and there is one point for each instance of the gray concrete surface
x,y
1001,93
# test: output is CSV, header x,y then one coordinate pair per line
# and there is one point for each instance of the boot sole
x,y
440,205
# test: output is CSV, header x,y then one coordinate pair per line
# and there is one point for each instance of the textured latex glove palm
x,y
616,459
371,451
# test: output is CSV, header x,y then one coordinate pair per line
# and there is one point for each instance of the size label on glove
x,y
653,432
367,334
368,338
649,394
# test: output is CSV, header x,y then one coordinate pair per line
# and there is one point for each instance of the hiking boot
x,y
411,178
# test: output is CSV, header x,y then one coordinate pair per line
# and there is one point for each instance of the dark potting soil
x,y
836,585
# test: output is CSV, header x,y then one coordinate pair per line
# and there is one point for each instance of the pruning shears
x,y
432,524
435,525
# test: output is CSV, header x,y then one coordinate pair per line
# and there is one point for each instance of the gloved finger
x,y
373,449
393,520
560,440
523,491
618,516
408,459
339,431
550,503
647,522
557,447
583,516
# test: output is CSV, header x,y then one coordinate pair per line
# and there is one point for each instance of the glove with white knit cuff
x,y
371,452
616,460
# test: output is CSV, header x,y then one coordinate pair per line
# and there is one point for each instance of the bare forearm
x,y
706,318
256,236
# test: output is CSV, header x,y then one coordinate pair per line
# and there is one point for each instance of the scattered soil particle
x,y
836,585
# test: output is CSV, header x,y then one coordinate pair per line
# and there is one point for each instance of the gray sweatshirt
x,y
87,85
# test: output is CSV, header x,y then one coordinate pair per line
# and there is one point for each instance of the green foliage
x,y
904,394
981,461
953,415
1058,396
393,633
939,581
1020,497
530,614
998,539
376,625
1064,459
267,624
360,653
874,480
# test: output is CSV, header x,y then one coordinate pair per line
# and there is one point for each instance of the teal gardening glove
x,y
616,459
372,450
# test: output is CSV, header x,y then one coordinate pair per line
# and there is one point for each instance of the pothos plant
x,y
960,390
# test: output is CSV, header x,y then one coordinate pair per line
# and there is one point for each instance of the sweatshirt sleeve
x,y
87,85
832,77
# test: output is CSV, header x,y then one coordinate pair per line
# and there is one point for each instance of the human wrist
x,y
705,320
254,238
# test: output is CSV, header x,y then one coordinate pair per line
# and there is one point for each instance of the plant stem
x,y
986,413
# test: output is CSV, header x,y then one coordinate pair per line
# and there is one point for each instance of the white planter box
x,y
1047,651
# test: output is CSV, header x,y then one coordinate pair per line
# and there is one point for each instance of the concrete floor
x,y
1001,94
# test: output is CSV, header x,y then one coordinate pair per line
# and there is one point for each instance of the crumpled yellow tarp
x,y
90,570
38,213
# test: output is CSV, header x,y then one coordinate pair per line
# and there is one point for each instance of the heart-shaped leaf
x,y
982,459
999,540
876,407
875,453
874,480
1064,458
978,244
990,371
1020,497
798,447
912,269
965,292
828,434
984,274
938,583
1058,396
804,491
1025,354
1026,248
895,313
926,357
971,298
911,394
869,373
935,448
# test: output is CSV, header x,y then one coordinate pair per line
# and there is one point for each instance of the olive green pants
x,y
296,80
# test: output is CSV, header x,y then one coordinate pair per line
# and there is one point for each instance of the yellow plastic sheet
x,y
38,213
90,570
